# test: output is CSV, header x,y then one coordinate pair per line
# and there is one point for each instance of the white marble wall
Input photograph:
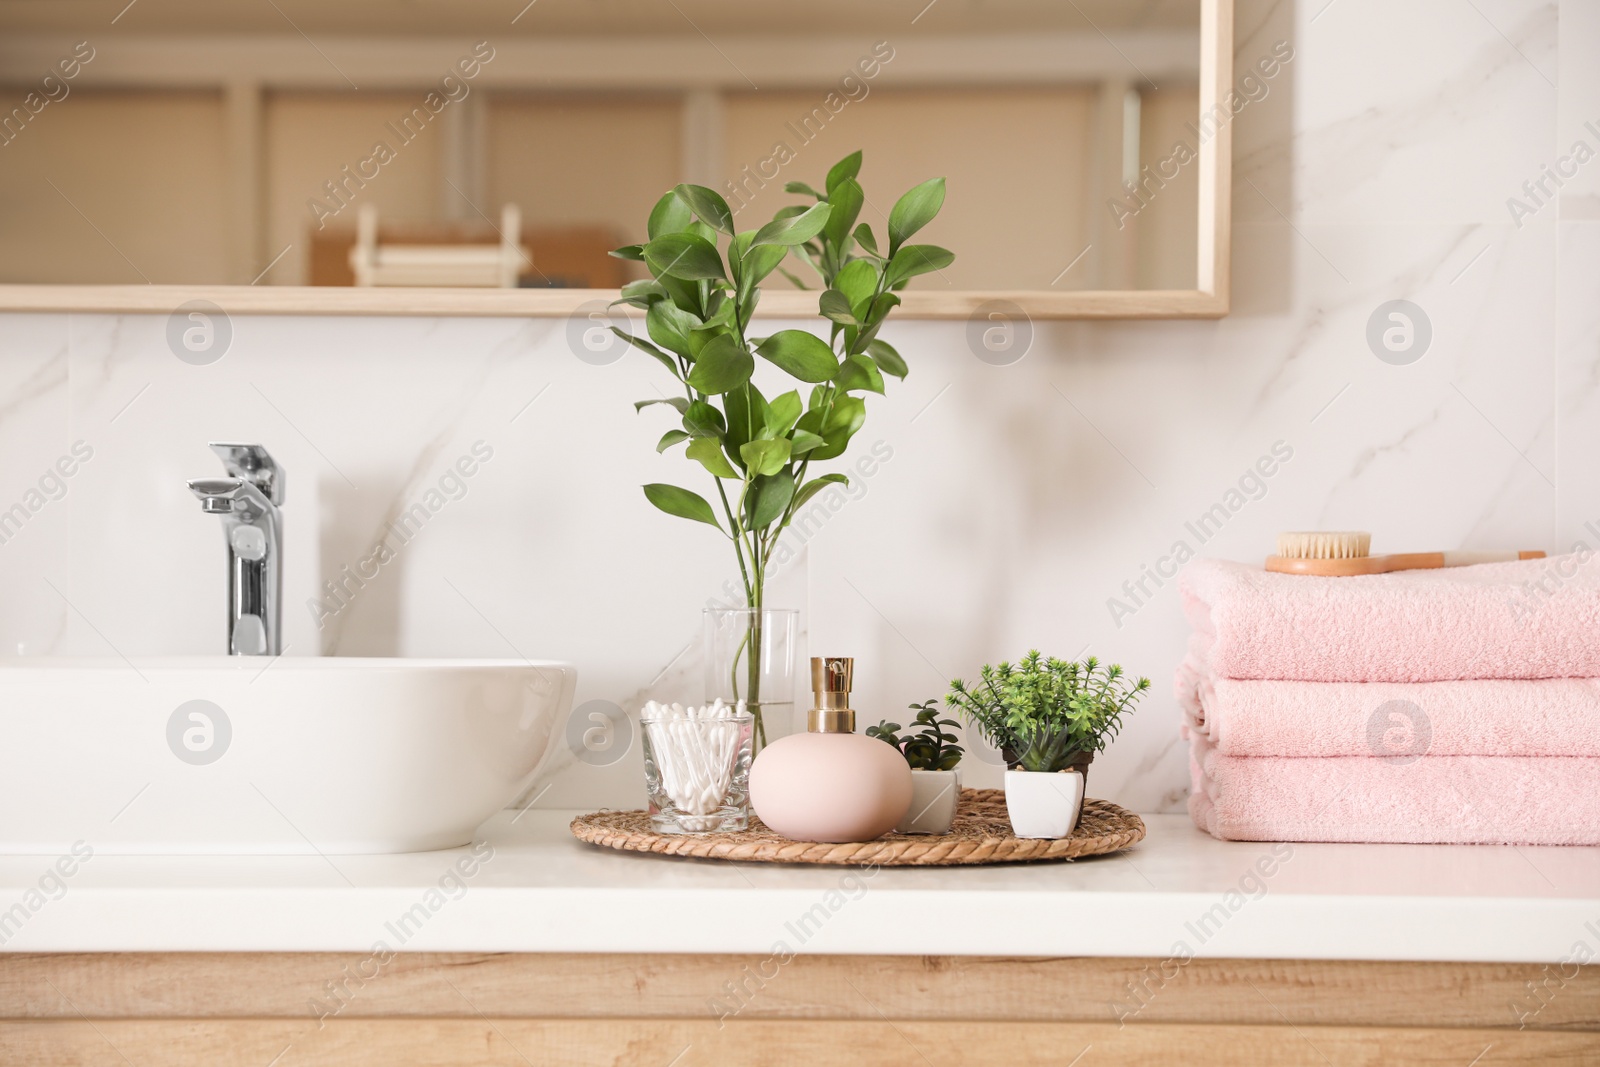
x,y
1017,500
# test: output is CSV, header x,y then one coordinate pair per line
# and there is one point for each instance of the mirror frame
x,y
1208,300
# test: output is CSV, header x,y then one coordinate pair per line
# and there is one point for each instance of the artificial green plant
x,y
1048,714
699,302
926,745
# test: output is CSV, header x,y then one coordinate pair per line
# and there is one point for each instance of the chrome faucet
x,y
248,501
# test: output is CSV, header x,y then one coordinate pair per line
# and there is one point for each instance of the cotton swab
x,y
695,750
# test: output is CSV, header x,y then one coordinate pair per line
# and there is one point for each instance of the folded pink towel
x,y
1513,800
1538,618
1492,717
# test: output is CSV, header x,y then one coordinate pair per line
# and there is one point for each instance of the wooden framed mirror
x,y
367,157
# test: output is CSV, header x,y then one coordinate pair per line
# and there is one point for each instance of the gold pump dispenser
x,y
830,783
831,678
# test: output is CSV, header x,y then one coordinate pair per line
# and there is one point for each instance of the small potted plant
x,y
933,754
1049,718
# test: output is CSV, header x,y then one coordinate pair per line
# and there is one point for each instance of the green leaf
x,y
805,441
844,170
681,502
914,211
865,239
782,413
703,420
803,189
683,293
761,261
708,205
765,457
859,373
815,486
720,308
646,347
670,326
846,416
738,248
766,500
684,255
670,215
747,414
723,364
670,438
647,288
836,306
913,260
673,401
846,199
882,304
804,355
792,230
634,252
700,338
888,360
858,281
641,294
708,451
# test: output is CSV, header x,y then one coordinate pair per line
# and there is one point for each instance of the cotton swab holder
x,y
697,766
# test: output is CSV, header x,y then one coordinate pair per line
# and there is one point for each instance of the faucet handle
x,y
253,464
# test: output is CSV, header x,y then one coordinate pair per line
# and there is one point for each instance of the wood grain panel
x,y
655,1043
548,303
1255,992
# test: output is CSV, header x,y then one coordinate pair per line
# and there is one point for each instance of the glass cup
x,y
697,772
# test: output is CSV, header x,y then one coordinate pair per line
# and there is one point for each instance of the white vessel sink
x,y
305,755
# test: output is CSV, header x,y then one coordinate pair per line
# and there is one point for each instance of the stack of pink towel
x,y
1458,705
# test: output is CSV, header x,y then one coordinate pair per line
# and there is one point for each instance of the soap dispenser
x,y
830,783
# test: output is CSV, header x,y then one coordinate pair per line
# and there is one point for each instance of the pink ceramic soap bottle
x,y
830,783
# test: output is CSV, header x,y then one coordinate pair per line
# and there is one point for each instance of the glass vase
x,y
750,656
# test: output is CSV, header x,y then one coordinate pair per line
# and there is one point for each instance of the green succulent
x,y
926,746
1043,713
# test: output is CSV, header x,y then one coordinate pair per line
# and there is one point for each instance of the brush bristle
x,y
1319,545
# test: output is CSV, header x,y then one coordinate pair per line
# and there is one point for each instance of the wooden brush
x,y
1342,554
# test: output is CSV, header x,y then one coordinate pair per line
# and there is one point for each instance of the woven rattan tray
x,y
981,834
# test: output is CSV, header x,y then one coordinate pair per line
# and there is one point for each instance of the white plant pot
x,y
1042,803
933,802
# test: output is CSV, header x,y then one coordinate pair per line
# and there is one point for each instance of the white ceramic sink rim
x,y
260,663
330,755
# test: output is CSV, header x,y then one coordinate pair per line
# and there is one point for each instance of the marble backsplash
x,y
1043,503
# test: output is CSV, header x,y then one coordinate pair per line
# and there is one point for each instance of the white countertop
x,y
1178,892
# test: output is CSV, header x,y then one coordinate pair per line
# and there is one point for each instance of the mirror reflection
x,y
489,143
